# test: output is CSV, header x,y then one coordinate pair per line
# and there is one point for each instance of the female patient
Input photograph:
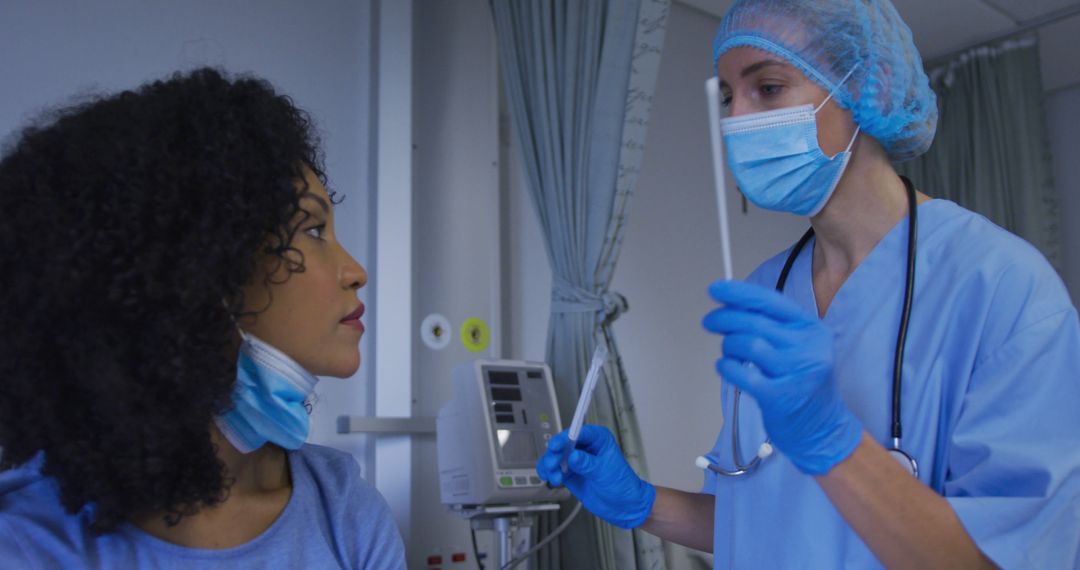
x,y
172,286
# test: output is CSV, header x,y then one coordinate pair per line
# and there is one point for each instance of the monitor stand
x,y
504,520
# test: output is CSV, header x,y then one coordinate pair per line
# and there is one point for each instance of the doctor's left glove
x,y
599,477
783,357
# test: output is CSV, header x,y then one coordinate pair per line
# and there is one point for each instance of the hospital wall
x,y
1063,122
55,50
456,235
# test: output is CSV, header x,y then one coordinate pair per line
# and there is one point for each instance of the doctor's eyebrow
x,y
755,67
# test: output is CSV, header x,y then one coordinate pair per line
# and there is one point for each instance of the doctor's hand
x,y
599,477
791,354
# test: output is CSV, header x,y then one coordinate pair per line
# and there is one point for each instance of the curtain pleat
x,y
991,153
579,77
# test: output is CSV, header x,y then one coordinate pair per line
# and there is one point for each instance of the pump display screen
x,y
520,415
517,447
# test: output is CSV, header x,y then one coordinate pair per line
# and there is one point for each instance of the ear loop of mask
x,y
837,86
312,399
858,128
228,311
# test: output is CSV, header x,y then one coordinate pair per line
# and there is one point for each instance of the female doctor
x,y
949,444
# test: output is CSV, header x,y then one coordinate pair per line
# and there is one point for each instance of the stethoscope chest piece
x,y
906,461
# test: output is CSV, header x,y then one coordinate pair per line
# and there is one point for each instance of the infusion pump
x,y
490,436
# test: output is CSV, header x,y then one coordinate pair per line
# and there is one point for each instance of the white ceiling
x,y
942,26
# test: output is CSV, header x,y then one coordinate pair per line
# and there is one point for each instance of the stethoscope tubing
x,y
895,449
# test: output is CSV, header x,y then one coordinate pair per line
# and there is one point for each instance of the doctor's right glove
x,y
783,358
599,476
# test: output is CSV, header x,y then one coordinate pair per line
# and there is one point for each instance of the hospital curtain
x,y
579,77
991,153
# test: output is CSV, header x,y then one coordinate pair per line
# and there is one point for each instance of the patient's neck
x,y
261,485
264,470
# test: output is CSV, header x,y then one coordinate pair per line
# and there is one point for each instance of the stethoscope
x,y
896,451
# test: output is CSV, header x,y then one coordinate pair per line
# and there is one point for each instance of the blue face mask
x,y
776,159
270,399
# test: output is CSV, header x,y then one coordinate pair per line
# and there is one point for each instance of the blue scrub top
x,y
334,519
991,401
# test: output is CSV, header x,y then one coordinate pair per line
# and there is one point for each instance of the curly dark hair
x,y
128,220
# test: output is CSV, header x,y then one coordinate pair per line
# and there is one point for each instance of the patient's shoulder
x,y
359,517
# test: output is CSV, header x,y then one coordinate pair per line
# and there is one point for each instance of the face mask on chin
x,y
271,401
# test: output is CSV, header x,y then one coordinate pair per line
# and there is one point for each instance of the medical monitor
x,y
490,436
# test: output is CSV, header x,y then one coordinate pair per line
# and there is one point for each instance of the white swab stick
x,y
712,96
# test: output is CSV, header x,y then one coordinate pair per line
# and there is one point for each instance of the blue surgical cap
x,y
888,92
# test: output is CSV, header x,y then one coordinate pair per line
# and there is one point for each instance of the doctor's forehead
x,y
741,62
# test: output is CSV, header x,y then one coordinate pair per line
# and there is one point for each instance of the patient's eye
x,y
316,232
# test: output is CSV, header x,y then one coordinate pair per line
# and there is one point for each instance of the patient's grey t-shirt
x,y
334,519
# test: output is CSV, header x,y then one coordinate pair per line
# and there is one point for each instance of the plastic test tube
x,y
598,358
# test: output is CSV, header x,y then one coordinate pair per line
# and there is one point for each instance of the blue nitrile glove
x,y
791,376
599,477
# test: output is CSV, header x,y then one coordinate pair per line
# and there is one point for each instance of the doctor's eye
x,y
725,100
770,90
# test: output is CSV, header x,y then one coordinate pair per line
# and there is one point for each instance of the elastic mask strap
x,y
265,351
243,335
852,143
831,93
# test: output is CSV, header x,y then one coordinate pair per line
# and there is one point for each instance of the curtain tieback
x,y
568,298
